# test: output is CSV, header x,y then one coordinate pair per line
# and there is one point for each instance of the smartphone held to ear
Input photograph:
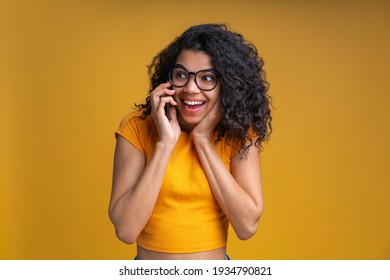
x,y
168,110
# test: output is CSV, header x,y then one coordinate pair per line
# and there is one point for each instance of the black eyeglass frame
x,y
170,72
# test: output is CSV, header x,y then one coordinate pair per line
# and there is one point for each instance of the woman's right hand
x,y
169,130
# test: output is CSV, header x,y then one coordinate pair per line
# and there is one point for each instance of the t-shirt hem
x,y
183,250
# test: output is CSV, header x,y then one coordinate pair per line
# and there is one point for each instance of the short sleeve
x,y
133,129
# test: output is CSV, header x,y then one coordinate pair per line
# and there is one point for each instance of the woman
x,y
181,176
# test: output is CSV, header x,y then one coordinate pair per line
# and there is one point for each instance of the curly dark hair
x,y
246,115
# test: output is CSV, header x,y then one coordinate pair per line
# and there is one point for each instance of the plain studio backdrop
x,y
70,70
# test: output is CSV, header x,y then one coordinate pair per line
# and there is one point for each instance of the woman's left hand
x,y
205,128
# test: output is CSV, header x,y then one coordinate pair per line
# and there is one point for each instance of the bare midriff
x,y
217,254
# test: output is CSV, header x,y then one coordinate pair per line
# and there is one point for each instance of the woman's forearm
x,y
133,209
240,206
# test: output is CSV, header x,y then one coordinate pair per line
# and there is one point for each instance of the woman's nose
x,y
191,86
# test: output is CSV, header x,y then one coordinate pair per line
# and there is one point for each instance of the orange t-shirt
x,y
186,217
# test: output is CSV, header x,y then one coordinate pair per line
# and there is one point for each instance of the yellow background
x,y
69,71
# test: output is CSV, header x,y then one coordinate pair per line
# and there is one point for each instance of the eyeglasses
x,y
206,79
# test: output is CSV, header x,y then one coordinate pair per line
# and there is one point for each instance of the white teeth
x,y
192,103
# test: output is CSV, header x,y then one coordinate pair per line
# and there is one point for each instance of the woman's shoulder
x,y
137,129
135,121
233,145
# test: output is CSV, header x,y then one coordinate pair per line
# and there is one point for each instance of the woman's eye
x,y
208,78
181,75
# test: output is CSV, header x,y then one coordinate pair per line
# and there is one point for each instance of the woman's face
x,y
192,102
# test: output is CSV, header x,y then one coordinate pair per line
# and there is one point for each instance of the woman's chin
x,y
187,124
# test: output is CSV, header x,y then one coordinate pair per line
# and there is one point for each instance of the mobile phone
x,y
168,110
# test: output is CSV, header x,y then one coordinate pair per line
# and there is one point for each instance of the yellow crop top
x,y
186,217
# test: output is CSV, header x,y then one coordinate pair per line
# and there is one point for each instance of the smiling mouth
x,y
192,106
193,103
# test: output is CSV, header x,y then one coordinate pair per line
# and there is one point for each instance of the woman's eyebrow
x,y
182,66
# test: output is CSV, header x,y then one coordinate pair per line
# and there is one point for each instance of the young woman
x,y
182,175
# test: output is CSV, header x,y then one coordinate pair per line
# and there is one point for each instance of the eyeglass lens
x,y
204,79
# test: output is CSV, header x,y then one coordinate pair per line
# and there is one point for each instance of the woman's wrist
x,y
201,140
166,144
